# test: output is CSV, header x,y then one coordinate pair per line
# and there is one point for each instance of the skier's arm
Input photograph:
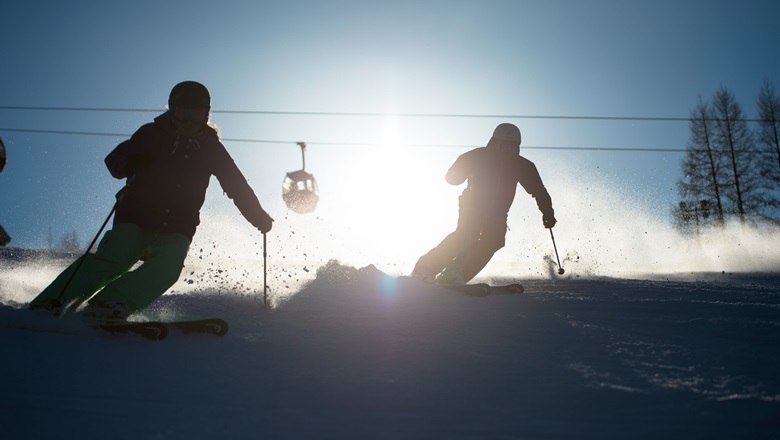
x,y
132,154
458,172
531,181
544,203
236,188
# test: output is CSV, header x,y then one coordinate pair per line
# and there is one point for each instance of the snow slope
x,y
358,354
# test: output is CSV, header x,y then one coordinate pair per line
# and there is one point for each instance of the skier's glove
x,y
263,222
548,219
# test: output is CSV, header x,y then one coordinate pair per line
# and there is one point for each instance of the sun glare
x,y
392,204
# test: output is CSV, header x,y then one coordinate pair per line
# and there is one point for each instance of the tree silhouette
x,y
724,173
703,173
769,144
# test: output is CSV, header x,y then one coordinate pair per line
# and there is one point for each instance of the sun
x,y
391,204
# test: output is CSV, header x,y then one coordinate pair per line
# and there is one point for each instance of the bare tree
x,y
724,172
703,176
733,138
769,127
769,144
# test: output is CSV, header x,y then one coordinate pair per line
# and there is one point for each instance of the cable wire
x,y
380,114
354,144
364,144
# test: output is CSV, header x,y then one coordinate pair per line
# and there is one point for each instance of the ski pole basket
x,y
299,188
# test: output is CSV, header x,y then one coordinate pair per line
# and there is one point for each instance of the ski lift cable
x,y
372,143
381,114
352,143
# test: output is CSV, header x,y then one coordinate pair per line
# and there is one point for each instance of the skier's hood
x,y
505,137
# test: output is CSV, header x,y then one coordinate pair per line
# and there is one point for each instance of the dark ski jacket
x,y
168,175
492,181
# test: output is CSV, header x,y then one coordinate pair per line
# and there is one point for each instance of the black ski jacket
x,y
168,176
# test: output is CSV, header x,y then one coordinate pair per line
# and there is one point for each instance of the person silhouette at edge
x,y
168,164
493,173
4,237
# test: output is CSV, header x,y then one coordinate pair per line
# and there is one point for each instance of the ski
x,y
212,326
153,331
77,324
478,289
509,289
484,289
159,330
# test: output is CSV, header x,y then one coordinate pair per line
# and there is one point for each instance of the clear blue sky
x,y
559,58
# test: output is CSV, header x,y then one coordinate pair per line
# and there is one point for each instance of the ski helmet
x,y
189,93
506,136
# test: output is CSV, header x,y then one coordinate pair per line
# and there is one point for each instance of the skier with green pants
x,y
168,164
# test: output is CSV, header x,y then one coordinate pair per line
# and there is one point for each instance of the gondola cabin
x,y
299,189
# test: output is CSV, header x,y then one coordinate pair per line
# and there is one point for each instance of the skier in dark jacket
x,y
168,164
493,173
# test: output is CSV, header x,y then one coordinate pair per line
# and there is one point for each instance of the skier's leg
x,y
160,270
492,239
435,260
119,249
438,258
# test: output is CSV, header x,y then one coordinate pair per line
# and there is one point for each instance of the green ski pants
x,y
108,271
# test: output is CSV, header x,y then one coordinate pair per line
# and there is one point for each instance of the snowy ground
x,y
356,354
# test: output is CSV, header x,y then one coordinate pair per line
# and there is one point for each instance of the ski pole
x,y
81,259
560,268
265,270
